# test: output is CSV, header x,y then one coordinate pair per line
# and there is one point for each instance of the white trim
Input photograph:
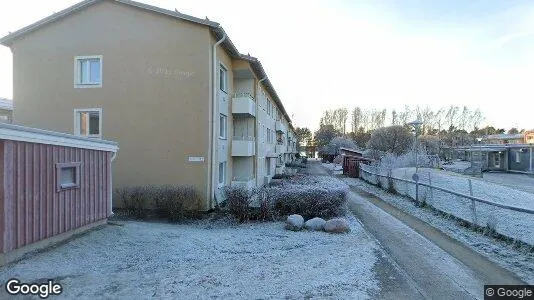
x,y
77,83
39,136
77,123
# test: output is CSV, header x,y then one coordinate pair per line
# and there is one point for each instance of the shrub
x,y
238,202
308,196
134,200
295,165
173,202
281,176
170,202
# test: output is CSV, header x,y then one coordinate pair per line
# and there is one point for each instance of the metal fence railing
x,y
512,221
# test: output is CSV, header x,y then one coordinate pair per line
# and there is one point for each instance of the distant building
x,y
504,157
6,110
526,137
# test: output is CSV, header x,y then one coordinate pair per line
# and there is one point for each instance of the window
x,y
222,173
223,129
518,157
88,122
88,71
223,78
68,175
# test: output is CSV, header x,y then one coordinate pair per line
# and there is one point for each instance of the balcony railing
x,y
243,146
243,138
243,103
243,94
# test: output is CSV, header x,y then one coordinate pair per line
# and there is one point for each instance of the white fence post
x,y
473,207
430,187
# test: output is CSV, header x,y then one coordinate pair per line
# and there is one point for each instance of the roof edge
x,y
8,39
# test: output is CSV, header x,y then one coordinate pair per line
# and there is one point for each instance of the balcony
x,y
243,146
247,183
243,103
280,127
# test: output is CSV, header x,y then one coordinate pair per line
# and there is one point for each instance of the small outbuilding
x,y
53,185
352,158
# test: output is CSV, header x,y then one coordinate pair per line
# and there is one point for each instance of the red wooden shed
x,y
54,185
352,158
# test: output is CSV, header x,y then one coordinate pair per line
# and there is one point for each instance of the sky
x,y
374,54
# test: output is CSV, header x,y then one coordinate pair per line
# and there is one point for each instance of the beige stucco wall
x,y
154,109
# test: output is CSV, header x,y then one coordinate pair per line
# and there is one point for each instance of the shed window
x,y
518,157
68,175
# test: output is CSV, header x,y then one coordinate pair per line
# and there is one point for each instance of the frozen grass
x,y
519,260
335,168
513,224
206,260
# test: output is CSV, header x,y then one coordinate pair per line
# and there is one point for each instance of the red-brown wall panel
x,y
32,208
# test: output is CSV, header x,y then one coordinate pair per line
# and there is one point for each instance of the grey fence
x,y
511,221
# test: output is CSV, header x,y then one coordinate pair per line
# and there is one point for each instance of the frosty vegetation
x,y
332,148
309,196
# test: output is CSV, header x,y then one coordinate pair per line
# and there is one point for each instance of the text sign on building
x,y
196,158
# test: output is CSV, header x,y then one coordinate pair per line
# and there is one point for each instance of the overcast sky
x,y
375,54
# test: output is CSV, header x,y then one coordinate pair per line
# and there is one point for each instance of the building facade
x,y
184,105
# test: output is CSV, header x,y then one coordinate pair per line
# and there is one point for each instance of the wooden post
x,y
473,206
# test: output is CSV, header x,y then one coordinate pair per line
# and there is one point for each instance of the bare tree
x,y
357,119
394,118
393,139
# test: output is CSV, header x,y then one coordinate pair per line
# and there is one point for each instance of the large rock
x,y
337,225
294,222
315,224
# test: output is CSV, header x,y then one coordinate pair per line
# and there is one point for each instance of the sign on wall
x,y
196,158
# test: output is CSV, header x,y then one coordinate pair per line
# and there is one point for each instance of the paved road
x,y
413,266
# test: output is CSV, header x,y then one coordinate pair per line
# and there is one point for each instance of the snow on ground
x,y
206,260
518,225
335,168
456,165
520,261
522,182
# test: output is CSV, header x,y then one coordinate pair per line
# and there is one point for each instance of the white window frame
x,y
223,87
77,79
222,179
223,125
60,186
77,122
518,157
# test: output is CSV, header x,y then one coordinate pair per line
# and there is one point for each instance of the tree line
x,y
389,130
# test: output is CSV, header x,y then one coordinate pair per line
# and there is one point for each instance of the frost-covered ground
x,y
206,260
518,260
514,224
521,182
456,165
335,168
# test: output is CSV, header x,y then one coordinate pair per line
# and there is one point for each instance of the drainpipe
x,y
257,128
213,128
111,185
